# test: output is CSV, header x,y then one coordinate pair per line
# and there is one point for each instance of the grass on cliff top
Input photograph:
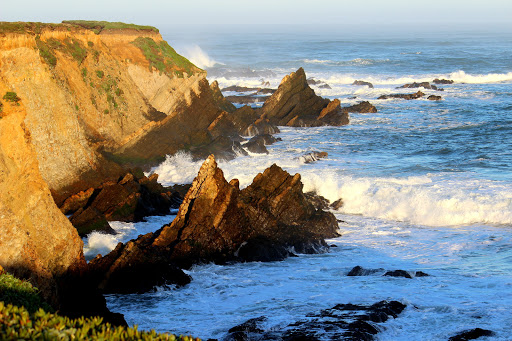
x,y
164,58
98,26
25,316
24,27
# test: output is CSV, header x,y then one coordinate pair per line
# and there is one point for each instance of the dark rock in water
x,y
425,85
471,334
333,114
248,122
318,201
296,104
442,81
360,271
398,273
129,199
223,147
406,274
266,91
313,156
363,83
421,274
237,88
217,222
257,143
362,108
324,86
416,95
312,81
342,322
434,98
337,204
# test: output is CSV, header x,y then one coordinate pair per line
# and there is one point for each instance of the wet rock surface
x,y
130,199
434,98
341,322
364,107
217,222
313,156
425,85
442,81
363,83
416,95
471,334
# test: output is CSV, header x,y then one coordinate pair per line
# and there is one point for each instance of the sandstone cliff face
x,y
95,102
37,241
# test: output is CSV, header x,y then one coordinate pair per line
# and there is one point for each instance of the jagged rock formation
x,y
129,199
218,222
442,81
296,104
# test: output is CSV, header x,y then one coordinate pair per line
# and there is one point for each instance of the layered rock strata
x,y
218,222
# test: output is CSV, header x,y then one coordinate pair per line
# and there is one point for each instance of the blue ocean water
x,y
427,186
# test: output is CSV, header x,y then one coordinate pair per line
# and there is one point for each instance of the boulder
x,y
364,107
217,223
416,95
434,98
406,274
363,83
313,156
360,271
471,334
257,143
425,85
442,81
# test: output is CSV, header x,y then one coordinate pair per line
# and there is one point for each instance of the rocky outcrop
x,y
416,95
341,322
364,107
222,102
217,223
434,98
363,83
129,199
425,85
296,104
257,143
442,81
471,334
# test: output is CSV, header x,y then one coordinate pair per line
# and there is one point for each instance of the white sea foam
x,y
177,169
196,55
422,200
100,243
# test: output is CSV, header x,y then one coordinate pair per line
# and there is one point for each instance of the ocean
x,y
426,185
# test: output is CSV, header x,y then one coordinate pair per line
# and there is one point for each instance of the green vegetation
x,y
98,26
25,27
76,49
84,72
100,73
90,43
46,52
25,316
164,58
106,111
1,108
21,293
12,97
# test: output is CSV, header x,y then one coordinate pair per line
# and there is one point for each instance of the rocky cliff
x,y
97,97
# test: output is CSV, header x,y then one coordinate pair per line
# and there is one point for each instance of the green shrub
x,y
100,73
84,72
11,97
21,293
46,52
106,111
90,43
98,26
76,49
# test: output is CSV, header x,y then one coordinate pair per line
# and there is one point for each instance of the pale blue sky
x,y
468,13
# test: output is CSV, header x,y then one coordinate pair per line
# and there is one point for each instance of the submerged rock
x,y
434,98
360,271
363,83
416,95
342,322
471,334
364,107
406,274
